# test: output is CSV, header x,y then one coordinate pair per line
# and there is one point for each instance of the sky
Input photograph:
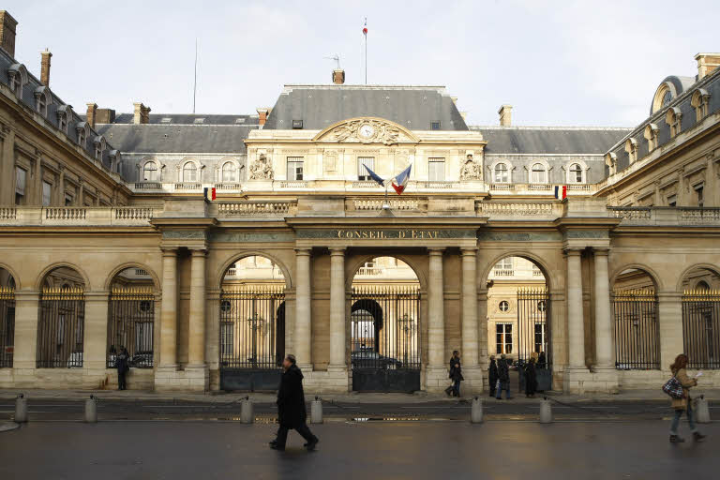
x,y
579,63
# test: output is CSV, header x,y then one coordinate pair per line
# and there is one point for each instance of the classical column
x,y
576,325
603,319
436,310
469,308
337,308
79,201
60,195
168,310
7,166
670,326
196,337
27,311
303,324
96,332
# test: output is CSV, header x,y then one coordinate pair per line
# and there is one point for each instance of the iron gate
x,y
533,335
701,328
7,326
252,337
131,322
61,328
385,338
637,338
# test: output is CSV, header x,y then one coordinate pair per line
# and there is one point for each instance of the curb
x,y
8,426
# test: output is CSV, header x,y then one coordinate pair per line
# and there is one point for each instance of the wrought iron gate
x,y
61,328
701,328
7,326
252,336
533,335
637,337
131,322
385,338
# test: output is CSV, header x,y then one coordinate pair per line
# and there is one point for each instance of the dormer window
x,y
190,172
699,102
651,135
673,118
64,113
538,173
611,162
297,124
435,125
150,172
664,96
83,130
576,173
18,76
229,172
502,173
100,145
42,100
631,149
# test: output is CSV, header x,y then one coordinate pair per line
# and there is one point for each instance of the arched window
x,y
189,172
42,100
664,95
100,145
150,172
611,162
576,173
502,174
538,173
83,130
631,149
673,119
64,113
18,76
651,135
699,101
229,172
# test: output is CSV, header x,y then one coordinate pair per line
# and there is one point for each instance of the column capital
x,y
302,252
337,251
436,251
469,252
573,252
169,251
198,251
604,252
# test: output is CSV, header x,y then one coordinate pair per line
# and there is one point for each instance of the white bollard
x,y
476,411
546,415
246,411
702,410
316,411
21,409
91,410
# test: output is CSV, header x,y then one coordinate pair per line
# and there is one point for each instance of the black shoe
x,y
449,392
699,437
676,439
312,444
274,445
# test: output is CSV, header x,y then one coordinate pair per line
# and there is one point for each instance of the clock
x,y
366,131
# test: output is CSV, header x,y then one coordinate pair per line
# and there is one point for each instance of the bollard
x,y
476,412
91,410
246,411
546,411
316,411
21,409
702,409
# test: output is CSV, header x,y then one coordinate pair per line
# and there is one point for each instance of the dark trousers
x,y
456,387
493,385
121,381
303,430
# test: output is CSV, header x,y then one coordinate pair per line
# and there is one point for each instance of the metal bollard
x,y
91,410
246,411
546,415
21,409
316,411
702,409
476,411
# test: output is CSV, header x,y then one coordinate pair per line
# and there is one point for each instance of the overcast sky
x,y
557,63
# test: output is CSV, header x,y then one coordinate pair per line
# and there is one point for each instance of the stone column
x,y
79,201
96,331
603,319
469,308
576,326
436,373
60,195
168,311
670,323
303,323
196,337
38,182
7,166
337,309
27,311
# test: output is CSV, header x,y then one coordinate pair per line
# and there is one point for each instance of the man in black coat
x,y
493,375
455,375
291,407
504,377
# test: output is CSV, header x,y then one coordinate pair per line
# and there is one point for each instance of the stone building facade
x,y
123,249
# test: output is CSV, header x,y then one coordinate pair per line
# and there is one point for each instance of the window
x,y
435,125
673,119
672,201
294,168
436,169
68,200
538,173
42,99
664,95
18,78
504,306
20,185
64,116
501,173
82,133
631,149
189,172
699,192
229,172
651,135
540,337
699,102
46,194
150,172
363,162
16,85
503,338
611,162
541,305
99,147
576,173
297,124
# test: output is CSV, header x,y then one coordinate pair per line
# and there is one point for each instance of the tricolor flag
x,y
374,176
210,194
400,182
561,192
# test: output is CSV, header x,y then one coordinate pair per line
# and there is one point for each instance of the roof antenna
x,y
335,57
195,80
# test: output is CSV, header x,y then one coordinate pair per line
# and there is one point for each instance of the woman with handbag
x,y
681,401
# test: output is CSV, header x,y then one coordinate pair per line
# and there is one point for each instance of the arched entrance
x,y
252,325
7,318
385,327
701,318
519,318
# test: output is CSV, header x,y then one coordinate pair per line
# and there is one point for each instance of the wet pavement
x,y
383,450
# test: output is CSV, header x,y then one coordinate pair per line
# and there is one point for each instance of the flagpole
x,y
386,205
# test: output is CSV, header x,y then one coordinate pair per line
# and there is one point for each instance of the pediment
x,y
366,130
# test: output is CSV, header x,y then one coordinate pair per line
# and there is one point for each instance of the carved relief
x,y
367,131
402,160
261,169
470,170
330,160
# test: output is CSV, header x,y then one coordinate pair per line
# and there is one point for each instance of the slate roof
x,y
191,119
319,106
550,140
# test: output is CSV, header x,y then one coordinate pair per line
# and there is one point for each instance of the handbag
x,y
673,388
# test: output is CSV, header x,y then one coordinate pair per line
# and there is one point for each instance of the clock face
x,y
367,131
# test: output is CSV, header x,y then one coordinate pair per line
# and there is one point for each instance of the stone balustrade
x,y
254,209
403,205
667,215
58,216
518,210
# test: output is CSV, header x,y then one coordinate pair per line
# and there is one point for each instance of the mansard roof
x,y
191,119
550,140
319,106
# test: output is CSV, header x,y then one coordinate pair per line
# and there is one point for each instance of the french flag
x,y
561,192
400,182
210,194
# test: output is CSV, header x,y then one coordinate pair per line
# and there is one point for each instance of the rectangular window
x,y
68,200
295,168
436,169
362,162
700,192
503,338
20,185
297,124
435,126
540,336
672,201
47,194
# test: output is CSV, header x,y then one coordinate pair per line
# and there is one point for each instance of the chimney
x,y
263,114
91,114
8,26
338,76
104,115
141,115
45,67
707,63
505,115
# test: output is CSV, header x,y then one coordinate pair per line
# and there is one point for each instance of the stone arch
x,y
359,120
13,274
351,269
41,278
637,266
537,260
250,253
697,266
125,266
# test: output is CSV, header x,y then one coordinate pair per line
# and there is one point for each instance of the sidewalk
x,y
634,396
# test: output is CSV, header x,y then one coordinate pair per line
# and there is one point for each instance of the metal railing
x,y
637,333
131,320
701,328
61,328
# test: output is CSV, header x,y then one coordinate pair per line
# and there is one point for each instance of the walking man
x,y
504,377
291,407
492,376
455,375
